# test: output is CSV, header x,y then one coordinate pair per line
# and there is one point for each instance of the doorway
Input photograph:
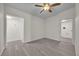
x,y
14,28
66,30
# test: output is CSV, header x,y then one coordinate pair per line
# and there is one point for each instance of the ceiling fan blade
x,y
38,5
55,4
41,11
50,10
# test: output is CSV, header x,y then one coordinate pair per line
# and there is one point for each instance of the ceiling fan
x,y
48,6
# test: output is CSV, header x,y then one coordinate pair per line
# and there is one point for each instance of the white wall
x,y
77,30
2,46
33,26
37,28
15,28
53,23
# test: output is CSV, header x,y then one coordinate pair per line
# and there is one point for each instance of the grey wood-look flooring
x,y
42,47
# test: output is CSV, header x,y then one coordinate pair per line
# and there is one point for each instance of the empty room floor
x,y
42,47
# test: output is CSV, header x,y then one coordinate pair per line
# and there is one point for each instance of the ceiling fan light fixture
x,y
46,7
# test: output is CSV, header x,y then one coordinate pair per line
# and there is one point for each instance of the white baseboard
x,y
52,38
33,40
40,39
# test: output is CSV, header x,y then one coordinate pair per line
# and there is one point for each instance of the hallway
x,y
42,47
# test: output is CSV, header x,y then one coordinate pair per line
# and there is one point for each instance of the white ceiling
x,y
30,8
